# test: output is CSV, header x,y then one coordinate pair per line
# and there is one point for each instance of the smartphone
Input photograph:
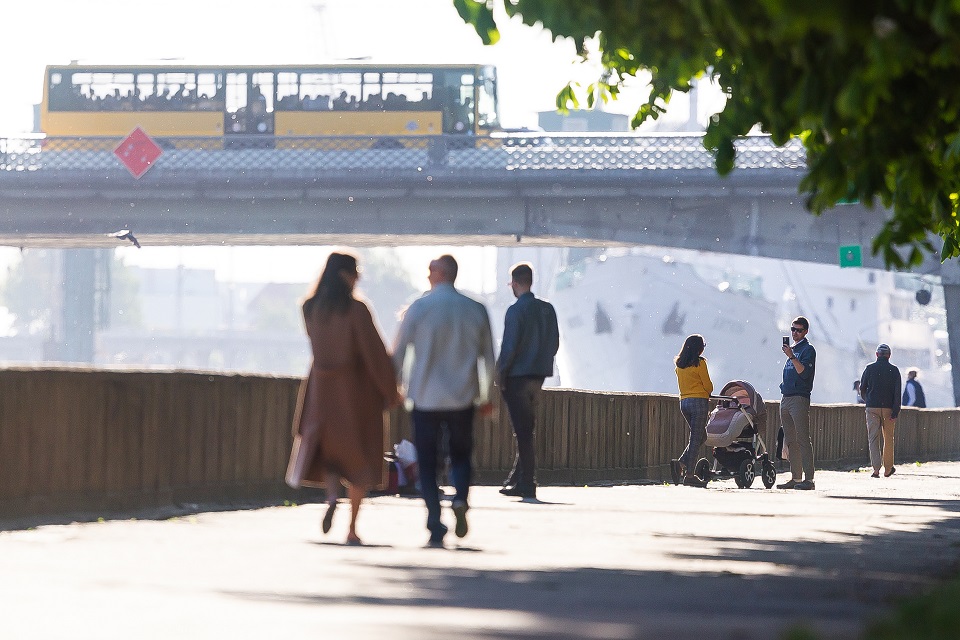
x,y
786,341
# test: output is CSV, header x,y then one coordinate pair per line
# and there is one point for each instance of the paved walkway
x,y
639,562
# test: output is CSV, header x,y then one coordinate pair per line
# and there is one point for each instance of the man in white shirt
x,y
446,345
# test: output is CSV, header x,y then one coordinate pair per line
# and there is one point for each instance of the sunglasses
x,y
797,329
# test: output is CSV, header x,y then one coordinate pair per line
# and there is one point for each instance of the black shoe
x,y
460,513
694,481
328,517
805,485
506,489
436,537
520,492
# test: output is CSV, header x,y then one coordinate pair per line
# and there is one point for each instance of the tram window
x,y
372,97
209,92
288,91
146,88
487,99
407,91
345,91
175,92
316,91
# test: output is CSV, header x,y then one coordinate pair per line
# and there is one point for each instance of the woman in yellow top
x,y
695,389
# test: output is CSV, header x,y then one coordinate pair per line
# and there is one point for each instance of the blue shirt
x,y
799,384
531,338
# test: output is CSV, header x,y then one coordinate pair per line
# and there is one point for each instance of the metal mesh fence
x,y
455,153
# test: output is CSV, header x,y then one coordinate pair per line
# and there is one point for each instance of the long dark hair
x,y
332,294
689,355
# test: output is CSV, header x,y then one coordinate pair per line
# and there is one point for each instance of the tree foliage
x,y
869,86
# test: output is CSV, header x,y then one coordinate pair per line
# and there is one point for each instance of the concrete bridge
x,y
557,190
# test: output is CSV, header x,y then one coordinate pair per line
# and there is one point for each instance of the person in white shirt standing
x,y
445,348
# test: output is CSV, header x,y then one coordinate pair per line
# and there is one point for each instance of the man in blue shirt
x,y
795,406
531,339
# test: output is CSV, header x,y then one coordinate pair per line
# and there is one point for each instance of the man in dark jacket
x,y
913,395
531,339
880,387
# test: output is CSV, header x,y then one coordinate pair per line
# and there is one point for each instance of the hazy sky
x,y
531,67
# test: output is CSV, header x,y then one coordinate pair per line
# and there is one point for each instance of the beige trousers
x,y
879,422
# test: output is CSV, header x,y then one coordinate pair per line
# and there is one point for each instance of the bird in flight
x,y
126,234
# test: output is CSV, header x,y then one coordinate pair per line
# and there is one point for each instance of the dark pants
x,y
695,411
428,428
521,393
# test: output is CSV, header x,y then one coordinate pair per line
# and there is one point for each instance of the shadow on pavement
x,y
744,588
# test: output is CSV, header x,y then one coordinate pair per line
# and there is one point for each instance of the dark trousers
x,y
428,428
522,393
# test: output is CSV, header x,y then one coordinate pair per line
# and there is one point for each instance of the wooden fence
x,y
74,439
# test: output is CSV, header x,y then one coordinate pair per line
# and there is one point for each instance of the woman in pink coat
x,y
338,426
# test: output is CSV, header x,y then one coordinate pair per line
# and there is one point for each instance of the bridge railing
x,y
556,152
73,439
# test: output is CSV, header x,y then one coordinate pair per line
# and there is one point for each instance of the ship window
x,y
601,321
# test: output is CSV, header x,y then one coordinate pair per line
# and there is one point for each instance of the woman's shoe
x,y
892,471
328,517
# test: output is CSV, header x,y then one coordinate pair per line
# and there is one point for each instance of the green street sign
x,y
850,256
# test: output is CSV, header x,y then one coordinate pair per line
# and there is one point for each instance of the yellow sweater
x,y
695,381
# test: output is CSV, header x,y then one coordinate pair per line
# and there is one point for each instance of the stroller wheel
x,y
769,471
746,474
702,470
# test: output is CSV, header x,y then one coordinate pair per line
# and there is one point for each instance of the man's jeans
x,y
428,428
521,394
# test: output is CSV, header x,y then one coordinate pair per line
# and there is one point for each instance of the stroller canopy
x,y
746,396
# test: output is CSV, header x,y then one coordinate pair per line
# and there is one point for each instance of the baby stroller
x,y
733,430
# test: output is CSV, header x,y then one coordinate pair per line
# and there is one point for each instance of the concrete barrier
x,y
75,439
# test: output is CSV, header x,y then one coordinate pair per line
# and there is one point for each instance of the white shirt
x,y
451,361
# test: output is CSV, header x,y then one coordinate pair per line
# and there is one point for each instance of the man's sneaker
x,y
436,537
805,485
520,492
789,484
460,513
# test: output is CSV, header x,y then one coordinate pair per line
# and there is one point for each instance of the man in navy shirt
x,y
880,384
531,339
795,406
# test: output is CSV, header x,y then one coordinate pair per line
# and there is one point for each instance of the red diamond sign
x,y
138,152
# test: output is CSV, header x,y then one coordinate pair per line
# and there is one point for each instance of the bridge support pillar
x,y
85,285
950,278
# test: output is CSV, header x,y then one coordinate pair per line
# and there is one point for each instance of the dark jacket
x,y
880,386
920,400
531,339
800,384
